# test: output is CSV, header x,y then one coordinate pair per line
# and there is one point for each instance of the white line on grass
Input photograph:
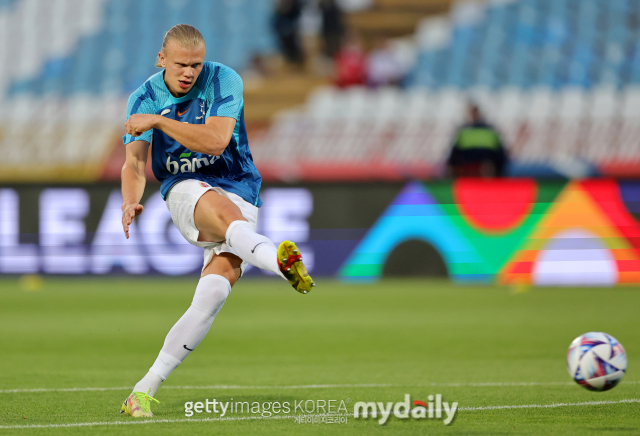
x,y
213,387
498,384
366,385
548,406
246,418
17,391
318,386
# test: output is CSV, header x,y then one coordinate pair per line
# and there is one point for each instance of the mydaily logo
x,y
186,164
403,410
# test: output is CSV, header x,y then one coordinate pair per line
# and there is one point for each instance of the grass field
x,y
71,352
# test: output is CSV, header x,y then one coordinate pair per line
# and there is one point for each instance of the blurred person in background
x,y
478,150
350,63
193,112
286,23
255,72
332,27
383,67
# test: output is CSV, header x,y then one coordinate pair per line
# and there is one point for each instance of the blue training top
x,y
216,93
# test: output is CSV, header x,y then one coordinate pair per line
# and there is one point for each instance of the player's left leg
x,y
213,288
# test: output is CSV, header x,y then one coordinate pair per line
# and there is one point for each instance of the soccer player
x,y
194,111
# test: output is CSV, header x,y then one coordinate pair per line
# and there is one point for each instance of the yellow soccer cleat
x,y
138,405
290,262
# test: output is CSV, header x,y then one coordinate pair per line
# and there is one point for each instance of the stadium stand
x,y
393,18
559,78
105,60
68,66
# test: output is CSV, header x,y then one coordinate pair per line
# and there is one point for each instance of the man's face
x,y
183,66
474,114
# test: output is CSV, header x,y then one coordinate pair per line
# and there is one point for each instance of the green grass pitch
x,y
480,346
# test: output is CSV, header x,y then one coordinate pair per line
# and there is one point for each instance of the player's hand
x,y
137,124
129,212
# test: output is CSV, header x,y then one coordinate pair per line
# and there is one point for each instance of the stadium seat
x,y
555,77
84,57
541,71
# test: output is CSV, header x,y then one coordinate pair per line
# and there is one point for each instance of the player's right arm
x,y
133,176
133,182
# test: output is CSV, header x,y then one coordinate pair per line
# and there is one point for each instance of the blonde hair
x,y
185,35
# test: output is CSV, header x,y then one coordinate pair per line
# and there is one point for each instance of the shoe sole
x,y
298,276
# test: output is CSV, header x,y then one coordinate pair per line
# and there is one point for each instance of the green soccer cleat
x,y
138,405
290,262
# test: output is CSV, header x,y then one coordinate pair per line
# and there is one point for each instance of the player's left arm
x,y
209,138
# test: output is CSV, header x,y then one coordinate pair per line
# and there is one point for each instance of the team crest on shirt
x,y
201,111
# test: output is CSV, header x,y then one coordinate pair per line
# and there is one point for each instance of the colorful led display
x,y
513,231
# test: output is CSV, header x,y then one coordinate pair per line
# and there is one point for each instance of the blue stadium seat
x,y
7,3
120,55
528,43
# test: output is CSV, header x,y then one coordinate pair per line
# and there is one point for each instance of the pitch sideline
x,y
317,386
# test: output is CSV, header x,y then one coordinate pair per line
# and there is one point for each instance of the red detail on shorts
x,y
204,185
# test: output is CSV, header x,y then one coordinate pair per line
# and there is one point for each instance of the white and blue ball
x,y
596,361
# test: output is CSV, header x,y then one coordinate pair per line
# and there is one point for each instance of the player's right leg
x,y
218,218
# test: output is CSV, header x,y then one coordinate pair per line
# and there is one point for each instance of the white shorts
x,y
181,201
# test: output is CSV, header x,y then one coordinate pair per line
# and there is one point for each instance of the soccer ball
x,y
596,361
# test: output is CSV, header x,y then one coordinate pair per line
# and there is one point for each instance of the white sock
x,y
149,383
211,293
256,249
